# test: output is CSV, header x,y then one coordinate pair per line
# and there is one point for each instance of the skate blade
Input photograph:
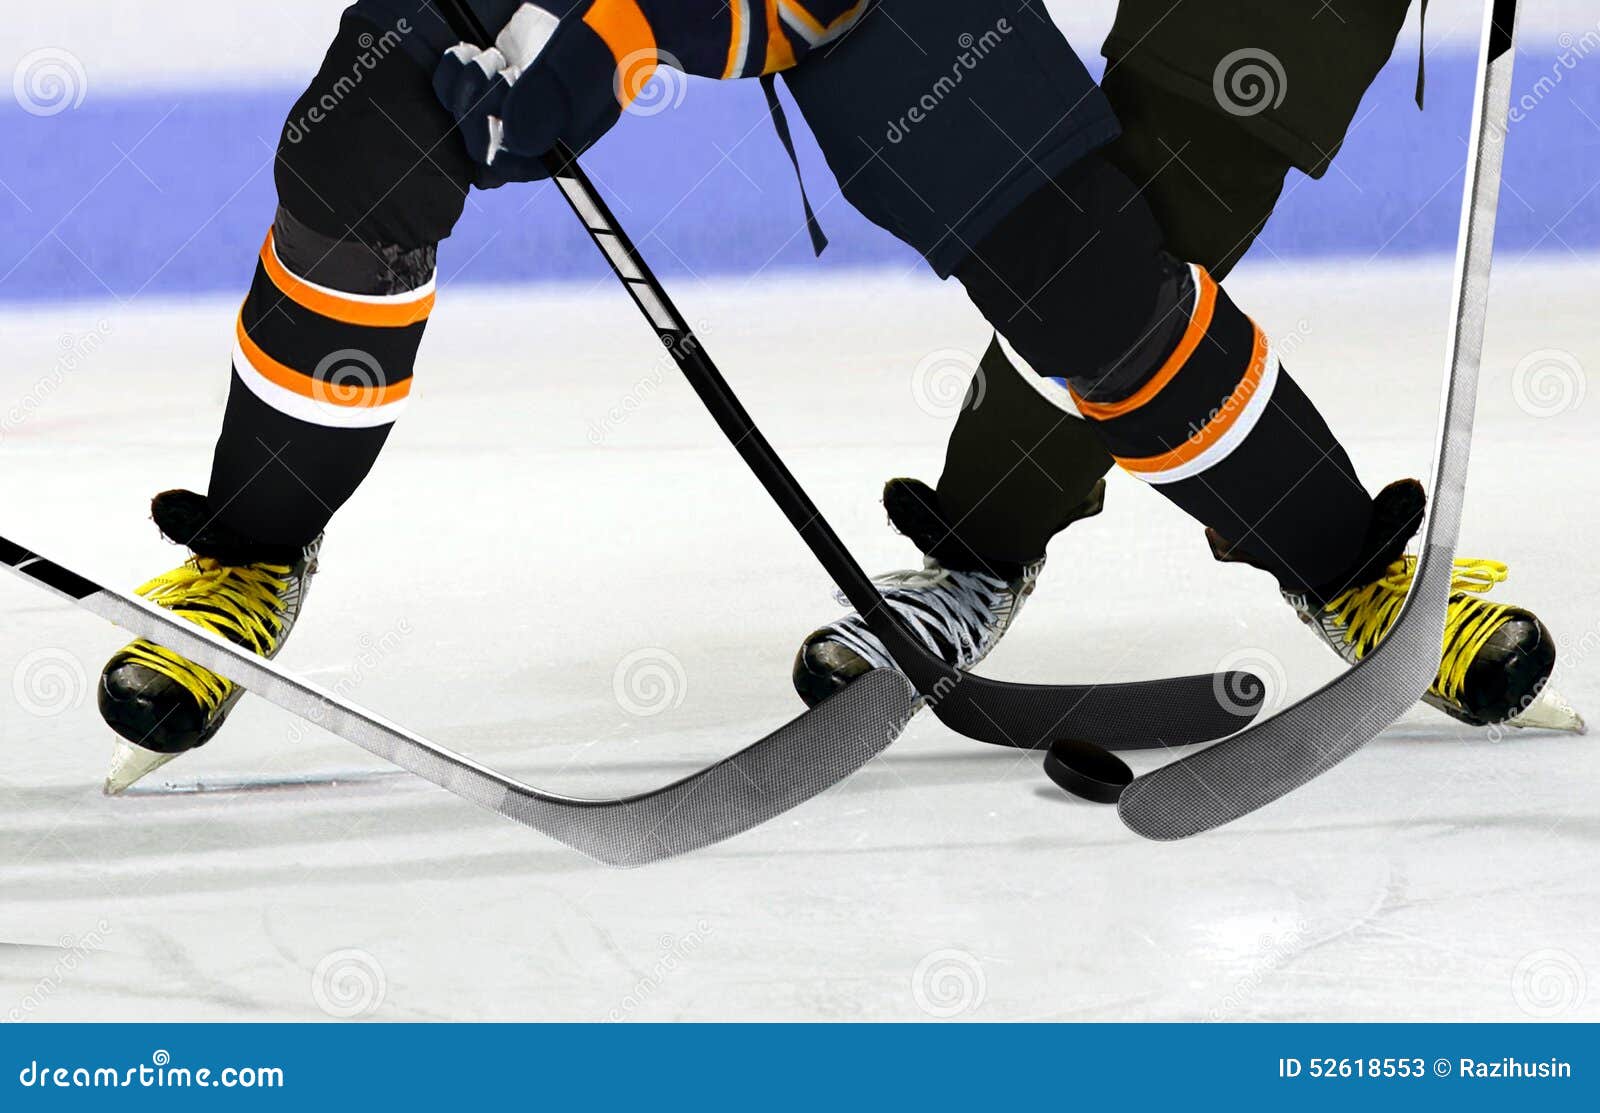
x,y
1550,711
130,764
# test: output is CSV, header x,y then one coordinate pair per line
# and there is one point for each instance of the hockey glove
x,y
547,79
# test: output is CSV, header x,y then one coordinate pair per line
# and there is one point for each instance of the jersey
x,y
722,38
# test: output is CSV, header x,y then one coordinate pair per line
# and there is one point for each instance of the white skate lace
x,y
958,616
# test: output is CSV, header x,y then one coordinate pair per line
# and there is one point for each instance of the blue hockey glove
x,y
547,79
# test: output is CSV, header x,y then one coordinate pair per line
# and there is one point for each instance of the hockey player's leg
x,y
1019,469
1181,385
1195,402
324,350
1211,186
1212,179
1011,105
1211,165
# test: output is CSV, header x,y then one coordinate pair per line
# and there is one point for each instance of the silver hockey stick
x,y
1271,759
788,767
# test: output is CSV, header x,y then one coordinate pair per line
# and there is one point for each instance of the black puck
x,y
1087,771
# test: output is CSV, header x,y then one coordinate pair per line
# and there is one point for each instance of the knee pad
x,y
367,152
1183,389
1077,280
1210,184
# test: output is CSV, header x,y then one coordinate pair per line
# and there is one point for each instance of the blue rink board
x,y
171,193
819,1069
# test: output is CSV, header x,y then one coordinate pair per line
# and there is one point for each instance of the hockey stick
x,y
1168,712
1256,767
789,766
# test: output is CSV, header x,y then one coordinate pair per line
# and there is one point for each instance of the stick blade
x,y
801,759
1268,761
1140,715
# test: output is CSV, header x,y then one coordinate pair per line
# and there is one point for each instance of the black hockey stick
x,y
1252,769
804,757
1168,712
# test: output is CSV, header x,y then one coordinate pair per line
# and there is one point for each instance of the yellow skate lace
x,y
1366,613
239,602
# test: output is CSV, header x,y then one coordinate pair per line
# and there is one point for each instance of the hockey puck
x,y
1087,771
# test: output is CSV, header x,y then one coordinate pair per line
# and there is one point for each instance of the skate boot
x,y
163,705
959,606
1497,659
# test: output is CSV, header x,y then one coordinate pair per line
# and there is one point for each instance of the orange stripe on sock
x,y
1199,325
352,396
623,27
326,303
1228,413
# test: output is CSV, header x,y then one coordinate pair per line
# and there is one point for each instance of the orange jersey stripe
x,y
1199,325
1228,413
780,55
350,311
334,394
736,39
625,29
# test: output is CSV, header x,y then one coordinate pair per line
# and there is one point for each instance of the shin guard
x,y
1223,431
322,366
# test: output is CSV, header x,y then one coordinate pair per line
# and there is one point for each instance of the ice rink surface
x,y
557,530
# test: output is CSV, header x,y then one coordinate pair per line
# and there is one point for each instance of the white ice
x,y
499,565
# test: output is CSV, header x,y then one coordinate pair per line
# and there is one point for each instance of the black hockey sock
x,y
1181,385
1396,517
1223,431
1039,466
321,370
328,336
1211,186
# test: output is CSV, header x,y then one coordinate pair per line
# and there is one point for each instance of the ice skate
x,y
163,705
958,606
1497,659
